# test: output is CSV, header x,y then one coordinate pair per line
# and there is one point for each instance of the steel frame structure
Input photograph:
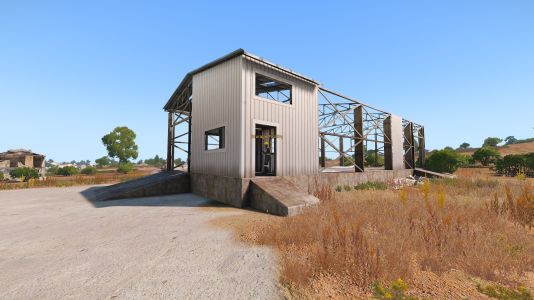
x,y
413,144
179,128
347,126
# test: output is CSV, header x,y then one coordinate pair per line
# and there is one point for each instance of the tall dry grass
x,y
361,237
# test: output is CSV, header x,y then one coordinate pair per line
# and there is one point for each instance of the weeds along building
x,y
253,131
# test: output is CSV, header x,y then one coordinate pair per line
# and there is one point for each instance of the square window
x,y
214,139
273,89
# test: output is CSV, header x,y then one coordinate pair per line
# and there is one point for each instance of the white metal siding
x,y
217,101
297,124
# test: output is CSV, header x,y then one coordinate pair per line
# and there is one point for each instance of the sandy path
x,y
56,244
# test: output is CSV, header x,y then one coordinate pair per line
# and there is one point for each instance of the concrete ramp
x,y
279,196
162,183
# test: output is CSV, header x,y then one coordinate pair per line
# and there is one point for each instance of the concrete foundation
x,y
229,190
240,193
279,195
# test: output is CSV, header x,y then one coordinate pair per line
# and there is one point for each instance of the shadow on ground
x,y
176,200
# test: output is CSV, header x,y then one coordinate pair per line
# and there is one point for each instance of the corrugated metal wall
x,y
224,96
217,102
297,124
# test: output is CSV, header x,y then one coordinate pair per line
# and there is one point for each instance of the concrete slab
x,y
55,244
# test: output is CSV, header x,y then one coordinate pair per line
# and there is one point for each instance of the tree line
x,y
448,160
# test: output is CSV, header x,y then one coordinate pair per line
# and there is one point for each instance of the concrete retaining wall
x,y
309,183
235,191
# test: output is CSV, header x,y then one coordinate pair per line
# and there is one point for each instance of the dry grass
x,y
60,181
354,239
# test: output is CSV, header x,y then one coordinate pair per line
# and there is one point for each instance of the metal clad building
x,y
241,116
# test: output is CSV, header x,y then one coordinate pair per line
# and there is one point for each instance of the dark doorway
x,y
265,150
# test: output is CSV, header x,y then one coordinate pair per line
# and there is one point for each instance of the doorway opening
x,y
265,138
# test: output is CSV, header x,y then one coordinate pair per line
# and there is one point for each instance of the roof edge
x,y
229,56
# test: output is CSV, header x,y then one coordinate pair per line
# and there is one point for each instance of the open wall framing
x,y
361,136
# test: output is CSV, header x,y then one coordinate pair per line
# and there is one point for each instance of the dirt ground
x,y
56,244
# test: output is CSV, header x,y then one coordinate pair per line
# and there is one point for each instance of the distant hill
x,y
508,149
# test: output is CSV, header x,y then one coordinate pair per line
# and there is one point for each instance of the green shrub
x,y
510,165
24,173
445,161
374,160
1,176
515,164
89,170
503,293
67,171
125,168
529,161
371,186
339,188
486,155
347,188
52,171
394,292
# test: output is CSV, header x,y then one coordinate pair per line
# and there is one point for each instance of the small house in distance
x,y
18,158
259,134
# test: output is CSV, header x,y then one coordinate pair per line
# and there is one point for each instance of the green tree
x,y
52,170
120,143
67,171
103,161
156,161
510,140
486,155
464,145
445,161
491,142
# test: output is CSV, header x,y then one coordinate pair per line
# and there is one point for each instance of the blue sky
x,y
71,72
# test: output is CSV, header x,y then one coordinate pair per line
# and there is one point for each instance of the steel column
x,y
359,155
422,147
409,147
388,151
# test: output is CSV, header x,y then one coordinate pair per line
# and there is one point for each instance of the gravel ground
x,y
54,243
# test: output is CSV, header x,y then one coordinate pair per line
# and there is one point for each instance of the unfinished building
x,y
18,158
255,133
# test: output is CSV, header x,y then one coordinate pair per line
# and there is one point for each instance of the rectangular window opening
x,y
273,89
214,139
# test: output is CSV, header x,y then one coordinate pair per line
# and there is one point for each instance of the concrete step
x,y
279,196
430,174
162,183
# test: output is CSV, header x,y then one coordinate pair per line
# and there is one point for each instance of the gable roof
x,y
239,52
